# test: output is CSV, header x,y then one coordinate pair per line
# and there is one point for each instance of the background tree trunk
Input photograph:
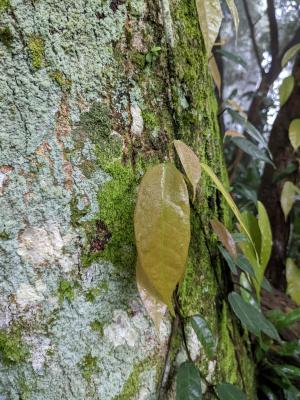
x,y
93,92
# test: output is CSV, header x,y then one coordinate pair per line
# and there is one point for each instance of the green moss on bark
x,y
36,45
12,348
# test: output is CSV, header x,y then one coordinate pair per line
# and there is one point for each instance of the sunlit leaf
x,y
155,308
294,133
231,133
266,237
190,163
286,89
228,259
251,149
233,57
204,335
293,280
288,197
253,319
252,225
290,53
162,231
235,15
215,73
248,127
188,382
227,391
225,237
210,18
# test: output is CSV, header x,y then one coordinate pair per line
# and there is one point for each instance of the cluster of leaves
x,y
162,231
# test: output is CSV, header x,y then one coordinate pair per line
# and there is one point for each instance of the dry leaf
x,y
162,231
235,15
225,237
210,18
233,134
190,163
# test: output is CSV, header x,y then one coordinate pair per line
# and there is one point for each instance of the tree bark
x,y
92,93
270,192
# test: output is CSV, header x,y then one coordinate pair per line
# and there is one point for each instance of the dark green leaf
x,y
292,393
268,392
228,259
251,149
204,335
290,349
188,382
232,57
253,319
243,263
290,371
248,127
266,285
226,391
286,172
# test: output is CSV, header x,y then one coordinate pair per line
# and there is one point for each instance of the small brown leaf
x,y
190,163
162,231
225,237
233,134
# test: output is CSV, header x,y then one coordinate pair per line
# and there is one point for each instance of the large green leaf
x,y
188,382
227,391
293,280
162,231
266,238
286,89
251,149
290,53
294,133
253,319
243,263
210,18
204,335
190,163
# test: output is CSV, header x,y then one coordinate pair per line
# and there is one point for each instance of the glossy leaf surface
x,y
162,231
204,335
190,163
210,18
225,237
293,280
286,89
188,382
227,391
294,133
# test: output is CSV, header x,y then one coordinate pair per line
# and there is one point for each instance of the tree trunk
x,y
270,192
92,93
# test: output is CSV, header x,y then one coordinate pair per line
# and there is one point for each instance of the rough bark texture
x,y
92,93
270,192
